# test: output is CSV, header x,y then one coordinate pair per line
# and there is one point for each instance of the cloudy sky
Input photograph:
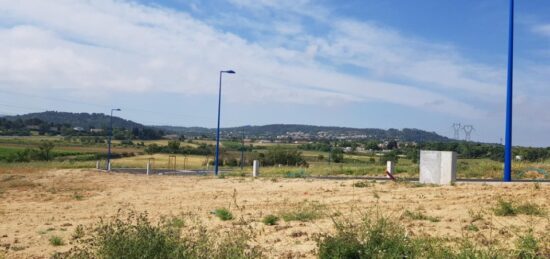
x,y
365,63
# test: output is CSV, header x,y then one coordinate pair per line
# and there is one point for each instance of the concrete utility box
x,y
437,167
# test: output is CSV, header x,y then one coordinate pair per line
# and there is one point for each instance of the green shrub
x,y
56,241
384,238
527,246
135,237
223,214
270,220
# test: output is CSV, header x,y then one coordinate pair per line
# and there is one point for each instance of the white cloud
x,y
90,46
543,30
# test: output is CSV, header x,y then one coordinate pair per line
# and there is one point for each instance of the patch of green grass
x,y
505,208
223,214
306,211
270,220
419,216
531,209
508,208
472,227
296,174
56,241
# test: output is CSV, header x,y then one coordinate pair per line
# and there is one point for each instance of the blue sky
x,y
376,64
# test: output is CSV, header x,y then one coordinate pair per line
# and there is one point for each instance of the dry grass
x,y
37,205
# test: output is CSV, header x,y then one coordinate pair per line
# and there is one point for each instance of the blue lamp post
x,y
109,140
508,148
218,129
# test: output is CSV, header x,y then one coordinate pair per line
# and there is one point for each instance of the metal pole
x,y
242,152
109,141
218,129
508,148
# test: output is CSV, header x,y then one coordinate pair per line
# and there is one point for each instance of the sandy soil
x,y
36,205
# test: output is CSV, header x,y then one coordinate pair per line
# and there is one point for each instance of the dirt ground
x,y
36,205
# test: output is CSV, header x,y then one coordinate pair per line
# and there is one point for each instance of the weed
x,y
78,232
527,246
419,216
77,196
504,208
475,215
507,208
270,220
135,237
530,209
382,237
56,241
472,227
223,214
306,211
362,184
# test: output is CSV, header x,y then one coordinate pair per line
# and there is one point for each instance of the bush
x,y
223,214
270,220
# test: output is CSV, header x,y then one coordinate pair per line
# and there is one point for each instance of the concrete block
x,y
437,167
390,168
256,168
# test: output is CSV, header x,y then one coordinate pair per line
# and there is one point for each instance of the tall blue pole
x,y
508,148
218,128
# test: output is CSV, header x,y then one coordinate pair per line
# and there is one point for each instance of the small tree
x,y
173,146
337,155
44,150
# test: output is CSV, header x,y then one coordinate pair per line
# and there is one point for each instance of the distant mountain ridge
x,y
272,131
84,120
299,131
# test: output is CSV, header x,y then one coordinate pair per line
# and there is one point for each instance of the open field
x,y
38,204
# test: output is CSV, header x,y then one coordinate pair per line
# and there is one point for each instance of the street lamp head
x,y
117,109
229,72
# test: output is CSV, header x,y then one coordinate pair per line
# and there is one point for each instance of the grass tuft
x,y
223,214
270,220
306,211
419,216
508,208
56,241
